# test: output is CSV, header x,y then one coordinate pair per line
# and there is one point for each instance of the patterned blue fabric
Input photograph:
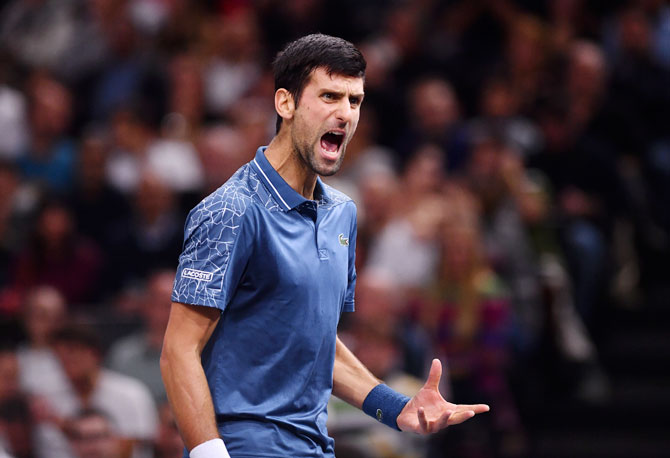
x,y
281,270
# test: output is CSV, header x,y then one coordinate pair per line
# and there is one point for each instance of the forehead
x,y
320,79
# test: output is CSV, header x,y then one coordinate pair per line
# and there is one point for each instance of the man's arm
x,y
188,330
352,381
425,413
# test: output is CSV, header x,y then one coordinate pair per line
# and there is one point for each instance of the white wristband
x,y
214,448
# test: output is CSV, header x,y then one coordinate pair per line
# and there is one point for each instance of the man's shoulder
x,y
230,200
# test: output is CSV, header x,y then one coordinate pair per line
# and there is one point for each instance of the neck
x,y
289,164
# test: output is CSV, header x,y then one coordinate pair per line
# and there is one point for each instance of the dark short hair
x,y
296,62
78,334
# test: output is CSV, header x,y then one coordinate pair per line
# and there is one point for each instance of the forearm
x,y
189,396
352,381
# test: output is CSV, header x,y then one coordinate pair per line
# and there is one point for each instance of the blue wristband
x,y
385,404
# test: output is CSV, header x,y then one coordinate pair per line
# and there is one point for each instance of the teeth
x,y
336,133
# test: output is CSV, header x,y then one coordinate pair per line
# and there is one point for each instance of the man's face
x,y
92,437
325,120
79,361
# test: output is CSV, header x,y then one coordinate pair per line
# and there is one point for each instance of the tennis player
x,y
251,353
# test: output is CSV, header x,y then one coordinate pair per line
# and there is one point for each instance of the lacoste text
x,y
196,274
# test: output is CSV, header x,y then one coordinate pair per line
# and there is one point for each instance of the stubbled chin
x,y
328,164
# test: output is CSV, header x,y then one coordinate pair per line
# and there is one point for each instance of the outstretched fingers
x,y
476,408
423,421
443,421
459,417
465,412
434,375
431,426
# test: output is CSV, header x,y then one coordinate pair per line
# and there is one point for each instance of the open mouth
x,y
331,141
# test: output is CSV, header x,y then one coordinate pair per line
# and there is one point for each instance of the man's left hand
x,y
429,412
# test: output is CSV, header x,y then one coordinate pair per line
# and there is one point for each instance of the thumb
x,y
434,376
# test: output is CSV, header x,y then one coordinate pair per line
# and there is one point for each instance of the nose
x,y
345,113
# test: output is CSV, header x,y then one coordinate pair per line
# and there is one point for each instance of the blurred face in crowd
x,y
51,106
186,96
9,375
425,172
92,162
434,106
635,31
460,252
587,70
484,171
80,362
237,36
325,119
45,310
499,100
377,191
91,437
378,301
55,225
526,45
153,198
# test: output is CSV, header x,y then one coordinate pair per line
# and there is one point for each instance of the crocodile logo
x,y
344,241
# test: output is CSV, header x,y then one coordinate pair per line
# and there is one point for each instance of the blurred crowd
x,y
511,170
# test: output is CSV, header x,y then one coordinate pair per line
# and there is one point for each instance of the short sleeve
x,y
351,285
215,253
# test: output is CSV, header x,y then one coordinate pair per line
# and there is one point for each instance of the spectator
x,y
174,160
375,210
91,435
130,77
58,256
138,355
234,64
496,177
50,155
435,119
100,210
186,97
405,248
153,239
500,113
40,370
469,317
38,34
125,401
130,138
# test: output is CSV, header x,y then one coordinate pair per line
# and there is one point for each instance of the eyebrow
x,y
359,95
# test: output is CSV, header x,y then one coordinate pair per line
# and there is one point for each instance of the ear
x,y
284,104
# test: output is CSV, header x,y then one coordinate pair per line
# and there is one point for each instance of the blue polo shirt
x,y
281,270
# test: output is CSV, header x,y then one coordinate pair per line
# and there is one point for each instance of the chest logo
x,y
344,241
